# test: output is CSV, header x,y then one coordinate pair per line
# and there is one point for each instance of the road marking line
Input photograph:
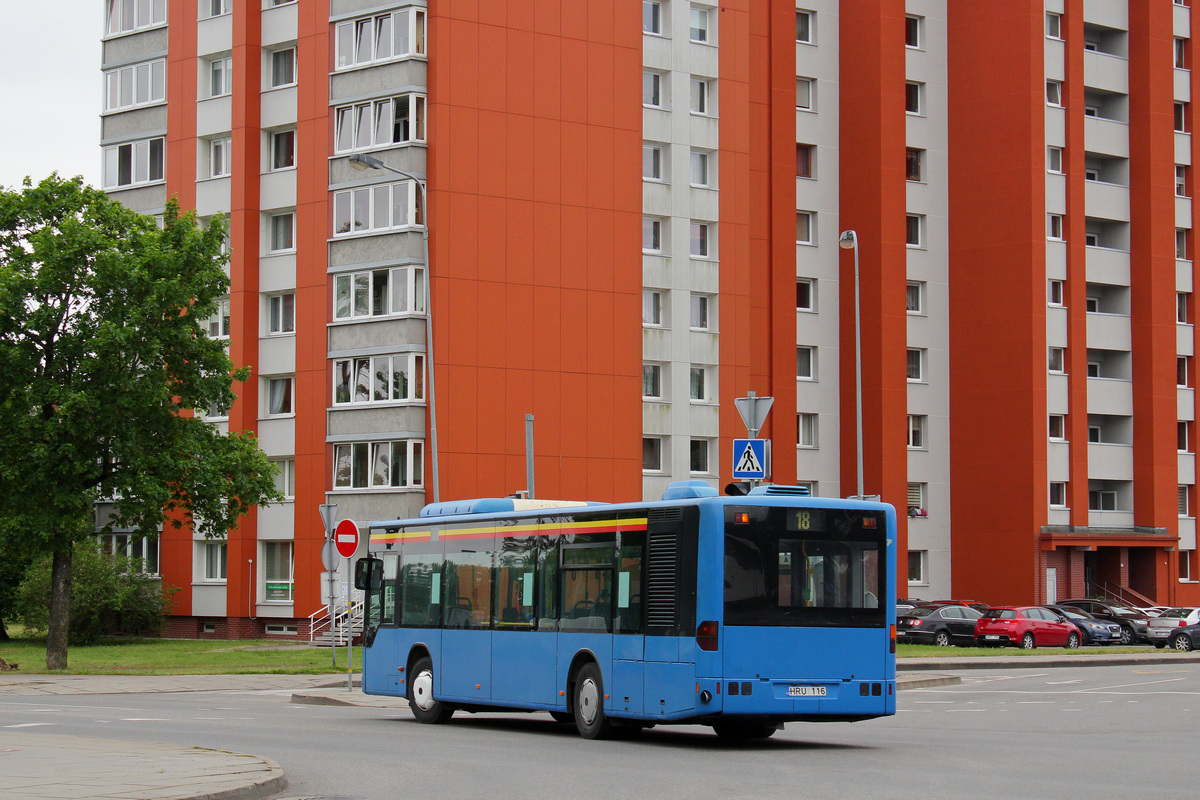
x,y
29,725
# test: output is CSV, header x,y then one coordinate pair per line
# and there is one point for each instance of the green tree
x,y
102,357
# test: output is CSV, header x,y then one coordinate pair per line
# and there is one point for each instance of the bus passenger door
x,y
466,607
524,644
629,625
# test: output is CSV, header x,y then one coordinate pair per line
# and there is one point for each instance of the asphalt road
x,y
1100,732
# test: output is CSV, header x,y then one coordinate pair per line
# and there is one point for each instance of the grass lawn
x,y
177,657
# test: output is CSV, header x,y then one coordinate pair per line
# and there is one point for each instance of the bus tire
x,y
420,694
588,707
744,731
562,716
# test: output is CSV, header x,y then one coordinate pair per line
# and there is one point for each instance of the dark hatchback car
x,y
942,625
1093,630
1135,625
1185,639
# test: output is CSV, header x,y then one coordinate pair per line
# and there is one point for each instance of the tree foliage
x,y
102,359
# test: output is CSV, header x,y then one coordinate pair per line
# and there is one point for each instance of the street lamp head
x,y
362,162
848,240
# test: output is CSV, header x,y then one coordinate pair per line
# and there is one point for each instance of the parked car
x,y
1025,626
1092,630
1162,625
905,603
975,604
1185,638
942,625
1134,624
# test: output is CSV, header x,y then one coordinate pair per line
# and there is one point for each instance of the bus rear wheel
x,y
420,694
743,731
588,708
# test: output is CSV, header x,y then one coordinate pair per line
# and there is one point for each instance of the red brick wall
x,y
231,628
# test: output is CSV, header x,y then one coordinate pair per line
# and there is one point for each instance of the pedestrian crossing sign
x,y
751,458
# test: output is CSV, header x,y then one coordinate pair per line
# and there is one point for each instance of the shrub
x,y
109,595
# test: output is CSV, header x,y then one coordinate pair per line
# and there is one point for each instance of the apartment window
x,y
1058,494
279,395
278,578
283,232
805,26
127,16
1099,500
913,230
283,150
698,22
379,465
699,455
701,100
914,31
1054,159
652,447
281,2
806,294
379,123
1181,248
1181,53
916,566
383,37
652,234
1181,436
220,76
376,208
652,161
135,86
806,227
1054,93
916,500
652,17
281,313
1056,359
652,381
283,67
379,292
216,8
1185,556
914,297
133,164
701,245
133,547
1053,25
916,364
1181,110
1057,427
379,379
285,476
1183,502
1181,175
913,97
1181,371
652,308
698,384
652,89
805,94
217,326
1181,307
805,156
1054,292
806,363
700,167
806,430
913,160
699,312
215,561
219,165
1092,305
917,424
1054,226
1091,239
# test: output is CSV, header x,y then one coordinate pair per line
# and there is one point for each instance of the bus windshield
x,y
808,567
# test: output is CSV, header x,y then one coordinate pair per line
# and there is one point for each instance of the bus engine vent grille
x,y
791,491
662,579
664,515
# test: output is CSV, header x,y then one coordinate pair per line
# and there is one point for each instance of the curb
x,y
259,790
1043,662
926,682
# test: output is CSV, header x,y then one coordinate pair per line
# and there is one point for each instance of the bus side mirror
x,y
368,574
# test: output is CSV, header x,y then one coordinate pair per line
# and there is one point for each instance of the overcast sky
x,y
50,117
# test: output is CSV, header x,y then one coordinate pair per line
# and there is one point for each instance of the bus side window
x,y
420,589
513,603
468,584
628,605
547,583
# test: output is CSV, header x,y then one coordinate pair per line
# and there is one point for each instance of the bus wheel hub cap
x,y
589,701
423,690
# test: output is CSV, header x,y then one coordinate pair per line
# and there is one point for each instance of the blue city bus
x,y
741,613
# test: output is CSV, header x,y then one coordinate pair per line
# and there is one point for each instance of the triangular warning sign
x,y
749,461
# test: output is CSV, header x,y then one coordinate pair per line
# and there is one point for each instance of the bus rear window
x,y
809,568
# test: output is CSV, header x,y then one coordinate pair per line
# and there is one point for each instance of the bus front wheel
x,y
420,694
588,708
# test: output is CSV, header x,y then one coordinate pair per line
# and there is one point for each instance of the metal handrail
x,y
1119,593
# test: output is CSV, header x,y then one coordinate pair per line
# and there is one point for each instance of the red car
x,y
1025,626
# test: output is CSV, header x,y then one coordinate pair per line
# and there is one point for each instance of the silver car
x,y
1162,625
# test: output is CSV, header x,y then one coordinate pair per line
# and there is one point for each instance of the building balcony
x,y
1108,332
1187,533
1183,212
1110,519
1110,462
1108,137
1106,200
1187,404
1110,396
1103,12
1183,148
1105,71
1185,341
1106,265
1183,84
1187,468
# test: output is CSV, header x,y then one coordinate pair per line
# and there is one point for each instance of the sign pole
x,y
328,514
349,631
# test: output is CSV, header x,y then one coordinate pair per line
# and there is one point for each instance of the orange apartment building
x,y
1024,254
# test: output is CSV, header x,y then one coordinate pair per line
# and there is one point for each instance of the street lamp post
x,y
849,241
363,162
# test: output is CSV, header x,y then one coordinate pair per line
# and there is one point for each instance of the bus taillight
x,y
706,635
893,637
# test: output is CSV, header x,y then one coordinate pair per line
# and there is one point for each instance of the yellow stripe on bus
x,y
508,531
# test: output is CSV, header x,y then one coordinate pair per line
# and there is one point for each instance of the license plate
x,y
806,691
991,636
